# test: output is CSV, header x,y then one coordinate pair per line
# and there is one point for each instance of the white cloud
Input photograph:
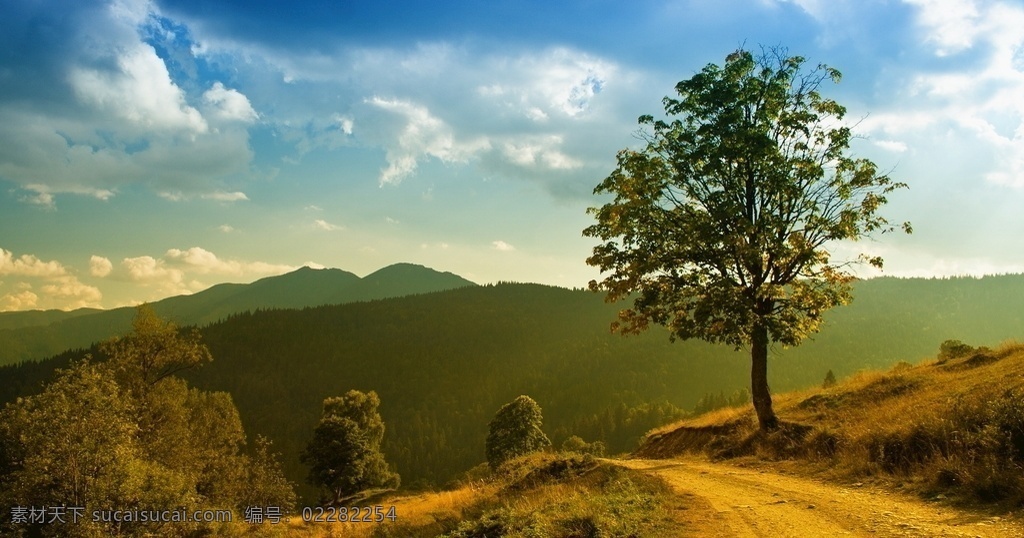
x,y
147,269
72,293
59,288
502,246
23,300
555,81
222,196
29,265
140,91
953,24
321,224
422,135
202,261
539,153
123,120
100,266
226,228
892,145
229,105
976,106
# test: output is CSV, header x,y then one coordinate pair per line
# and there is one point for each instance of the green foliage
x,y
267,485
830,380
953,349
719,227
344,455
712,401
578,445
128,434
515,431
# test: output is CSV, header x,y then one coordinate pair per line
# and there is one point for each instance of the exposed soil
x,y
726,500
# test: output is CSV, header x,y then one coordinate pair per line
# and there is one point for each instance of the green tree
x,y
267,483
830,380
127,433
515,431
721,227
576,444
344,455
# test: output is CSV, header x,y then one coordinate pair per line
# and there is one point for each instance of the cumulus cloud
x,y
178,270
202,261
100,266
229,105
58,287
23,300
101,110
29,265
140,90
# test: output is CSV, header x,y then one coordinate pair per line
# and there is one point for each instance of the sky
x,y
156,148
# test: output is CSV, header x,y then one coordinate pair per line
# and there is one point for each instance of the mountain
x,y
32,318
38,334
443,363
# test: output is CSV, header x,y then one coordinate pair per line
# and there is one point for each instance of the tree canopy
x,y
344,455
128,434
515,431
722,227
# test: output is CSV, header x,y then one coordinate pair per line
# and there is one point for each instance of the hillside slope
x,y
951,427
35,335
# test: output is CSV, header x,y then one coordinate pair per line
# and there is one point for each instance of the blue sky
x,y
156,148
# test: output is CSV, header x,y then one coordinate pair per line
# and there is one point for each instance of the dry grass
x,y
556,495
953,427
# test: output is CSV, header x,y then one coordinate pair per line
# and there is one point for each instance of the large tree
x,y
515,431
344,454
722,226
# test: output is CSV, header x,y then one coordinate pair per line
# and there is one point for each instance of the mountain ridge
x,y
34,335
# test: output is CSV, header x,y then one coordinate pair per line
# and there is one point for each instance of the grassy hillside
x,y
951,427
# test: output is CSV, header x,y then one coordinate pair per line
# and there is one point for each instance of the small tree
x,y
830,380
515,431
344,455
578,445
953,349
721,227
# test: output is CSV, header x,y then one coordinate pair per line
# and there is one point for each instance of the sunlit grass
x,y
951,426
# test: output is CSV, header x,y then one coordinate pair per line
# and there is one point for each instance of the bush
x,y
578,445
953,349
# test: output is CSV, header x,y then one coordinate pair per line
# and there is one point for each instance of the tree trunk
x,y
766,418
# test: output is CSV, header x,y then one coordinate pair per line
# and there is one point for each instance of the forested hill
x,y
443,363
35,334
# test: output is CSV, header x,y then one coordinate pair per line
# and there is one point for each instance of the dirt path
x,y
743,502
